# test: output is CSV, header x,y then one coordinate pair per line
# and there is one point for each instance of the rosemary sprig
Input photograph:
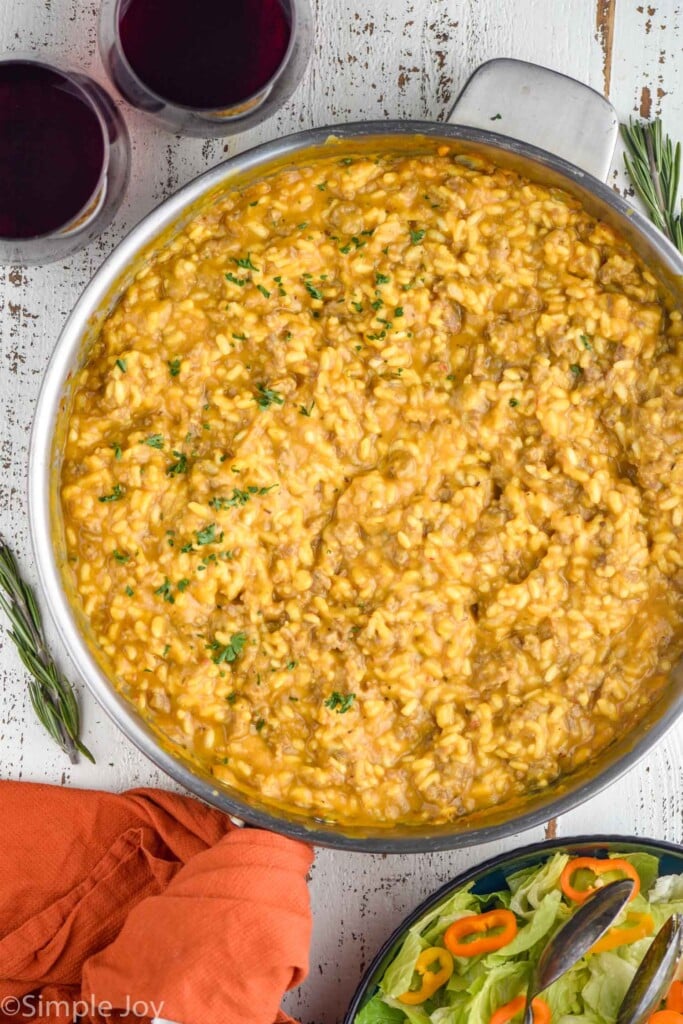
x,y
51,694
653,163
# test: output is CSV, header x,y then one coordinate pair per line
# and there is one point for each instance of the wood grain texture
x,y
390,58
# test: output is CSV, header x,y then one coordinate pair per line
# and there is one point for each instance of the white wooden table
x,y
377,59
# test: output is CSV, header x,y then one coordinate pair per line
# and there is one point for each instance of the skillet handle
x,y
543,108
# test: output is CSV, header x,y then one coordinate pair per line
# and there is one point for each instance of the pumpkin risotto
x,y
372,488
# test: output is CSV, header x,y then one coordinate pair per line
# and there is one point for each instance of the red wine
x,y
205,54
52,150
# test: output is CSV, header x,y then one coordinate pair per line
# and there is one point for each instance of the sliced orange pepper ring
x,y
598,867
638,926
674,1000
666,1017
430,980
496,928
517,1005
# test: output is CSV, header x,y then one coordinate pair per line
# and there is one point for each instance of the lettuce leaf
x,y
434,924
377,1012
610,977
667,889
399,975
530,886
550,913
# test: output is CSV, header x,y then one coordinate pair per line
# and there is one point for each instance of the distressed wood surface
x,y
388,58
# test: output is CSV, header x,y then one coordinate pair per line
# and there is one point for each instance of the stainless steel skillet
x,y
548,120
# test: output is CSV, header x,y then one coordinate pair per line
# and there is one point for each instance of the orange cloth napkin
x,y
145,898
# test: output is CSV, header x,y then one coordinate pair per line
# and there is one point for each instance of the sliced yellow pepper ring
x,y
431,980
638,926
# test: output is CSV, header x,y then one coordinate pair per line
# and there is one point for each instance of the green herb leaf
x,y
265,397
177,467
207,535
576,369
264,291
417,235
117,450
165,591
314,292
239,281
129,591
174,366
227,653
306,411
382,278
116,494
246,263
239,337
154,441
120,556
122,365
339,702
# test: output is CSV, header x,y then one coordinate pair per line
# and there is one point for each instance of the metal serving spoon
x,y
655,973
576,937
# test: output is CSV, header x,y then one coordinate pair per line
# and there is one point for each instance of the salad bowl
x,y
536,885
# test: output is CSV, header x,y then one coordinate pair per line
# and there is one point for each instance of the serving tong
x,y
577,937
655,973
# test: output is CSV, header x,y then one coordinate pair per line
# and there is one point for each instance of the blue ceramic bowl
x,y
490,877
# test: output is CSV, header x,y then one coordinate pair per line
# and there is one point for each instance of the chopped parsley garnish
x,y
496,117
246,262
514,402
165,591
121,363
239,281
264,291
382,278
291,665
231,698
117,450
177,467
322,186
576,369
208,535
154,441
377,304
129,591
116,494
120,556
417,235
259,725
345,249
187,547
227,653
174,366
314,292
346,161
306,411
398,312
182,585
239,497
239,337
339,702
358,306
585,341
303,225
265,397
